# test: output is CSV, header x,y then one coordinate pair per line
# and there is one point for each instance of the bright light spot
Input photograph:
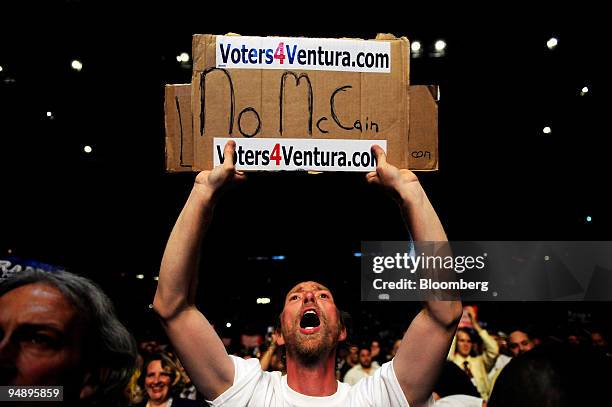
x,y
140,276
87,149
546,258
76,65
10,251
588,219
264,300
49,114
0,68
584,91
415,46
184,57
156,278
278,257
440,45
552,43
150,306
546,130
357,254
228,325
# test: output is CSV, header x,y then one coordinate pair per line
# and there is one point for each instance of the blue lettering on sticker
x,y
236,56
269,56
224,55
291,55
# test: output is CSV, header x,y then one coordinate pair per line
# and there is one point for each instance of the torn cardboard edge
x,y
422,134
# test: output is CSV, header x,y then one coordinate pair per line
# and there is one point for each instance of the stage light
x,y
150,306
552,43
440,45
140,276
263,300
546,258
76,65
357,254
584,91
278,257
156,278
415,46
589,219
49,114
0,68
228,325
184,57
547,130
87,149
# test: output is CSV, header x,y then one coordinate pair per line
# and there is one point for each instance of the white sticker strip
x,y
318,54
281,154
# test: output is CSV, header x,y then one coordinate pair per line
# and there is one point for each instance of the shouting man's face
x,y
310,322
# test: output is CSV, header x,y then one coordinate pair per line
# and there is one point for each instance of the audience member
x,y
477,366
554,376
60,329
520,341
365,367
160,379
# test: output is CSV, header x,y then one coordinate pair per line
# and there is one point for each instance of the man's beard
x,y
310,349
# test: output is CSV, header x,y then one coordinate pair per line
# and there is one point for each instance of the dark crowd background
x,y
107,214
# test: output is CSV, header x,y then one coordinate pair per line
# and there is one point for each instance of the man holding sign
x,y
311,326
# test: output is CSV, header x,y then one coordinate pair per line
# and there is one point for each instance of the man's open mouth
x,y
310,321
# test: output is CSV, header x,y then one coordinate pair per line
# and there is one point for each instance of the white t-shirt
x,y
357,373
459,400
255,388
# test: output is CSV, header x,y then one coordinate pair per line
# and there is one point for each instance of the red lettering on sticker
x,y
280,52
276,154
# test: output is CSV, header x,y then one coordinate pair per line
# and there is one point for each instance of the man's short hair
x,y
553,375
109,349
453,381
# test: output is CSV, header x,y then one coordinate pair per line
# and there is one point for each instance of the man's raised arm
x,y
195,340
425,345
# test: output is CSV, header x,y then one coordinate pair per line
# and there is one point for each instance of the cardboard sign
x,y
465,321
422,135
299,88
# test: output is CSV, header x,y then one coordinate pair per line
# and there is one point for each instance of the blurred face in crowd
x,y
354,354
598,340
158,382
150,347
40,339
519,343
310,321
365,358
375,349
464,343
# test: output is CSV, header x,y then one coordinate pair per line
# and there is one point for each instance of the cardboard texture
x,y
422,136
299,104
179,131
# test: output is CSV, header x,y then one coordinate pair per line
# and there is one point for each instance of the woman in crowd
x,y
161,380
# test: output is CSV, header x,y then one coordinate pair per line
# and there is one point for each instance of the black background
x,y
108,214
